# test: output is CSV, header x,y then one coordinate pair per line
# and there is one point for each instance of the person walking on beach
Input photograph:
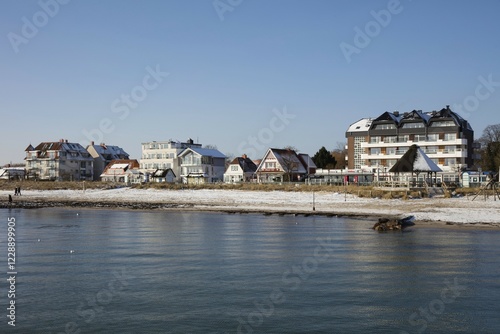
x,y
10,199
18,191
15,191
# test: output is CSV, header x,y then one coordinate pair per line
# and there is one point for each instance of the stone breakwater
x,y
38,204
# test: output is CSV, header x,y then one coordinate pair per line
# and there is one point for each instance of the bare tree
x,y
290,164
490,148
339,154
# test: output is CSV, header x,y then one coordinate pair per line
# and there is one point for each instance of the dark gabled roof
x,y
388,116
415,115
448,113
427,117
162,172
246,164
414,160
284,157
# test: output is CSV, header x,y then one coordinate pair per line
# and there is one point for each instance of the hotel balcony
x,y
433,154
458,141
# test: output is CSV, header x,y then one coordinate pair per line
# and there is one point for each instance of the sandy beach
x,y
457,211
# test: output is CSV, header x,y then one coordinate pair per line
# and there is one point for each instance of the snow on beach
x,y
454,210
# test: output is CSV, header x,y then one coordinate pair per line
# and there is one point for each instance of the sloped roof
x,y
121,164
46,146
307,161
246,164
109,152
414,160
389,116
207,152
163,172
361,125
285,157
416,115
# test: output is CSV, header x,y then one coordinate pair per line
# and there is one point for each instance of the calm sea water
x,y
109,271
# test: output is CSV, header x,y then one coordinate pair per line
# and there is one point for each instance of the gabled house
x,y
12,173
122,171
202,165
241,169
59,161
103,154
163,175
284,165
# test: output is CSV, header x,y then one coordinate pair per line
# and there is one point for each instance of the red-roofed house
x,y
59,161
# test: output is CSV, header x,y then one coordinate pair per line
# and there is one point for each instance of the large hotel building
x,y
377,143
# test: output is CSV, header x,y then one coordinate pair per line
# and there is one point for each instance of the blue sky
x,y
235,65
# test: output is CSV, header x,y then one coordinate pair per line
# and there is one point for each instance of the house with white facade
x,y
241,169
284,165
163,175
103,154
164,155
202,165
122,171
59,161
12,173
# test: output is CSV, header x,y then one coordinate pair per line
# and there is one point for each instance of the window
x,y
375,139
450,136
375,151
433,137
449,149
270,165
83,164
450,162
431,150
391,162
390,151
390,139
419,138
387,126
413,125
403,139
234,168
443,123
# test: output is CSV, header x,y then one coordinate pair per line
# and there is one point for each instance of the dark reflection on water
x,y
101,271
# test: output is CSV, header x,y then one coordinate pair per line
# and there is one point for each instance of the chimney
x,y
396,113
92,143
244,156
66,141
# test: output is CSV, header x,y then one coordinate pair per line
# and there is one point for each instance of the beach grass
x,y
360,191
